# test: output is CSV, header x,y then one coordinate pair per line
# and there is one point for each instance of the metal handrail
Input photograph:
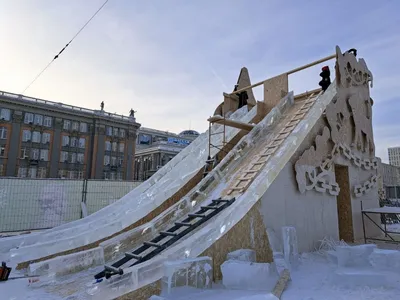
x,y
287,73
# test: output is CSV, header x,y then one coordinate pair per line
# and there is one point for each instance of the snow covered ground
x,y
312,281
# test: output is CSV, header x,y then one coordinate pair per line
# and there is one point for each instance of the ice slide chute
x,y
59,242
166,238
300,117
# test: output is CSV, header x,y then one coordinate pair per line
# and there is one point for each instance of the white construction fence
x,y
31,204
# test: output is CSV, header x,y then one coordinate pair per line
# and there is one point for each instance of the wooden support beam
x,y
231,123
282,283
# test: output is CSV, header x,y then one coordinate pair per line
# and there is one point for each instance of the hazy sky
x,y
171,60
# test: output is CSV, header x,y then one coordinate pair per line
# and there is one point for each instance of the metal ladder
x,y
173,234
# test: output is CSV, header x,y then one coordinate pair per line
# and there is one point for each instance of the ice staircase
x,y
166,238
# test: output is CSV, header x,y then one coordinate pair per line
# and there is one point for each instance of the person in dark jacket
x,y
242,97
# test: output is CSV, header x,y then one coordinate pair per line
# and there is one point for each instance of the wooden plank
x,y
231,123
275,89
282,283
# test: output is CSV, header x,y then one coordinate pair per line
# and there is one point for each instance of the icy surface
x,y
383,259
353,277
354,256
202,239
248,276
290,246
242,255
132,207
65,264
311,281
197,273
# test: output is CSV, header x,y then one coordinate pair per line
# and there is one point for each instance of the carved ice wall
x,y
349,133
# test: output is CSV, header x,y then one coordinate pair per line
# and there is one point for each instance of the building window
x,y
32,172
36,137
26,135
5,114
106,160
46,138
35,154
64,156
119,175
122,133
65,140
82,143
3,133
106,175
67,125
38,120
72,174
113,161
22,171
47,121
73,158
42,173
121,147
74,142
120,162
75,126
83,127
109,131
112,176
144,139
61,173
44,154
108,146
80,157
80,174
28,119
114,146
115,131
2,151
23,153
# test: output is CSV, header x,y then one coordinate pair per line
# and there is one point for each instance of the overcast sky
x,y
171,60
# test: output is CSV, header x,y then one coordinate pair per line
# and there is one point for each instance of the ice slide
x,y
129,209
263,152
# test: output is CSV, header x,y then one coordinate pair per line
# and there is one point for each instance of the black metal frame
x,y
200,217
385,231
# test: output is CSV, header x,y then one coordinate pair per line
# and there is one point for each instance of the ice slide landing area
x,y
129,209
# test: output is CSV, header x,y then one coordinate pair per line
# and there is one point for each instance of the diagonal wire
x,y
59,53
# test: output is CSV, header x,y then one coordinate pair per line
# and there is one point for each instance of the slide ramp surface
x,y
131,208
245,173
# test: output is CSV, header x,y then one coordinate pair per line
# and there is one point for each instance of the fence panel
x,y
101,193
27,204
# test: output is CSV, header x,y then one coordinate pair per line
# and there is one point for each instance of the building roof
x,y
58,106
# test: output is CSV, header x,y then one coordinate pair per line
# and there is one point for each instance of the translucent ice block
x,y
195,272
248,276
242,255
290,246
